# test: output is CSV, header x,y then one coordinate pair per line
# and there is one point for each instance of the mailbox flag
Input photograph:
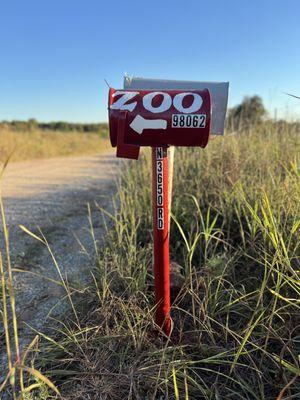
x,y
218,91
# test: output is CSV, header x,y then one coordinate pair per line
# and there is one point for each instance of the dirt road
x,y
53,195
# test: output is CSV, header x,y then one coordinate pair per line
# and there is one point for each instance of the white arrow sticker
x,y
139,124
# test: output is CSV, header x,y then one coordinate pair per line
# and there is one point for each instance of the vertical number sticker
x,y
159,187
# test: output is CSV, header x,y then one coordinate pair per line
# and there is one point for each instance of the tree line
x,y
251,113
61,126
245,116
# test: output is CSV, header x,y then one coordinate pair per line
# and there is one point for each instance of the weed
x,y
235,232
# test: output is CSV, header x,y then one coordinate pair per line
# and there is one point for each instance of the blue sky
x,y
54,55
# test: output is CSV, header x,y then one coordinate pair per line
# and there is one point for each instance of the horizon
x,y
274,115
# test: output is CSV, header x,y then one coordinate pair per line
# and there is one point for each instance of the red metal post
x,y
160,203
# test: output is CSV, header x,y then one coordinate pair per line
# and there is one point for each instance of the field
x,y
235,241
38,143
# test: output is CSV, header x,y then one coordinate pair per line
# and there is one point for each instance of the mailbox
x,y
158,118
162,113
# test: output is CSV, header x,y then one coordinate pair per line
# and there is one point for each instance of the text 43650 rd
x,y
159,188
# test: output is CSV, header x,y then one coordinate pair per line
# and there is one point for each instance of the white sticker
x,y
121,103
160,218
139,124
194,107
165,104
188,120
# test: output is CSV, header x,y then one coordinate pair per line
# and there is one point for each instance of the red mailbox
x,y
160,113
158,118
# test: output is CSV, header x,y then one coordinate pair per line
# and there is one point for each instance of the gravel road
x,y
53,195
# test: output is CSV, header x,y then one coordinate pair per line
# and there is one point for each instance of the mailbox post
x,y
161,235
143,114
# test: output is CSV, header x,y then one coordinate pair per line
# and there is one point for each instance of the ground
x,y
52,195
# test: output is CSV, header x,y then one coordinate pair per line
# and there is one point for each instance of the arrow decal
x,y
139,124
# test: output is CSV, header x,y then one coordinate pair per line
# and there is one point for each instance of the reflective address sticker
x,y
188,120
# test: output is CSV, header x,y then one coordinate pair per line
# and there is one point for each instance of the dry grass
x,y
38,144
235,232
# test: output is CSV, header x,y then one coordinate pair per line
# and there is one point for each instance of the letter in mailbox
x,y
158,118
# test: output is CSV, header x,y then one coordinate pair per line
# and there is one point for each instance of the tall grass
x,y
235,235
38,144
18,374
